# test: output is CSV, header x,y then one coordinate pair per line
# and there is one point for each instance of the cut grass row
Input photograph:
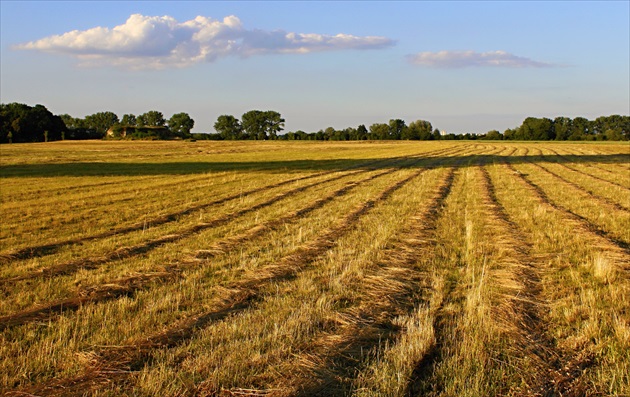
x,y
460,281
116,289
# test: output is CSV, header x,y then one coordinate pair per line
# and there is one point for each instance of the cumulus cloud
x,y
150,42
463,59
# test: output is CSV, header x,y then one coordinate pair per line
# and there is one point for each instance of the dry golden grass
x,y
306,268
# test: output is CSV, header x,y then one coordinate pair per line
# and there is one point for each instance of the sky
x,y
465,66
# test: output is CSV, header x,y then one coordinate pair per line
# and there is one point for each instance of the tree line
x,y
605,128
24,123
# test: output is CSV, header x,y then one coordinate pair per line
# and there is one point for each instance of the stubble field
x,y
299,269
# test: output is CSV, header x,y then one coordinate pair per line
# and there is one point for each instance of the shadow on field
x,y
182,168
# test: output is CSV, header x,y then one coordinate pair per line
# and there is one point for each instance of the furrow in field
x,y
620,246
329,366
580,273
45,249
142,248
115,364
54,196
25,194
580,152
50,248
587,174
488,326
447,296
554,371
604,201
129,285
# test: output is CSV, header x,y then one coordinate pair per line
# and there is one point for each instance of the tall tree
x,y
152,118
419,130
101,121
262,125
23,123
274,123
362,132
379,131
128,120
562,127
536,129
229,127
397,128
181,124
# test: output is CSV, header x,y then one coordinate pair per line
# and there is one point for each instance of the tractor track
x,y
557,373
390,290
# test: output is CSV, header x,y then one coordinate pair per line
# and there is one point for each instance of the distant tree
x,y
379,131
128,120
274,123
229,127
362,132
181,124
152,118
69,121
581,129
509,134
419,130
614,127
536,129
397,128
562,128
22,123
329,134
493,135
101,121
262,125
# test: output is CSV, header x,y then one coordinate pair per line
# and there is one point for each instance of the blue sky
x,y
464,66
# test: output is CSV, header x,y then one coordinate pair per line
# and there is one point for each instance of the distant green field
x,y
307,268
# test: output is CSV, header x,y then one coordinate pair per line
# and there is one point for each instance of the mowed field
x,y
299,269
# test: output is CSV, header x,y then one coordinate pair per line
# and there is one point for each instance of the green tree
x,y
274,123
509,134
562,127
262,125
101,121
29,124
362,132
493,135
419,130
181,124
397,128
379,131
536,129
128,120
152,118
581,129
614,127
229,127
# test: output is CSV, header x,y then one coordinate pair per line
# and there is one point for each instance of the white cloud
x,y
145,42
463,59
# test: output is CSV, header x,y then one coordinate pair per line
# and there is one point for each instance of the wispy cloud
x,y
464,59
150,42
